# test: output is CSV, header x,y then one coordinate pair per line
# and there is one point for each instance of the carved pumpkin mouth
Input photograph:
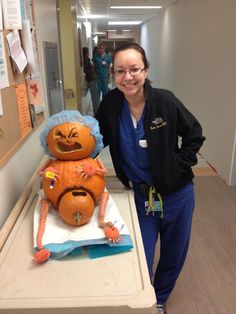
x,y
68,148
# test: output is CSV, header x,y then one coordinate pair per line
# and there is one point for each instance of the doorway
x,y
53,78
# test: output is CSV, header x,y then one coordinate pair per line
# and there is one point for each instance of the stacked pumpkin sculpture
x,y
73,181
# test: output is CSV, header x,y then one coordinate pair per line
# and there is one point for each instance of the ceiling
x,y
103,13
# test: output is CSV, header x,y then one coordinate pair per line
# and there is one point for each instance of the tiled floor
x,y
203,168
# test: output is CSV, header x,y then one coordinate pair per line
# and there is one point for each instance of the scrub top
x,y
133,149
102,64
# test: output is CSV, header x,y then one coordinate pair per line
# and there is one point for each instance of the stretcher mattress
x,y
116,284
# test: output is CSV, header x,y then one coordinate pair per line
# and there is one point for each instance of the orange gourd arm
x,y
41,170
102,207
102,169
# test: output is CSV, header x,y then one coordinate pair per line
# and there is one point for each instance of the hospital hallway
x,y
190,46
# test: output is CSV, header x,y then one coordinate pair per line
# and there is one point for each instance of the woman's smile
x,y
129,82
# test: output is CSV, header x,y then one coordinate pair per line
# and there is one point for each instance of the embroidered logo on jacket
x,y
158,123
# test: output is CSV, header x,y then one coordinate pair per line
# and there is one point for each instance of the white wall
x,y
18,170
192,49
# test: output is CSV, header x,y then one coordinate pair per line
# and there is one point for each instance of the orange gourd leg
x,y
42,254
102,208
111,232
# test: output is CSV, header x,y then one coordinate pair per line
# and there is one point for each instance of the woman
x,y
142,126
90,78
102,66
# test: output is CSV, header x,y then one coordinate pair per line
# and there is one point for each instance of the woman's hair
x,y
95,50
85,50
136,47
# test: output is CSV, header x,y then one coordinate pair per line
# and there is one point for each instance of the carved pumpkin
x,y
70,141
74,183
72,194
76,207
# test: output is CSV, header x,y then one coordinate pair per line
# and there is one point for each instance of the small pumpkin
x,y
70,141
76,207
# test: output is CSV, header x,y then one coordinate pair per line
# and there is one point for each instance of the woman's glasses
x,y
132,71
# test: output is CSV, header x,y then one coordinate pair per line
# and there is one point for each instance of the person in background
x,y
111,83
142,126
90,78
95,50
102,63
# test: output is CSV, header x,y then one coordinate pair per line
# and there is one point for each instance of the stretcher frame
x,y
117,284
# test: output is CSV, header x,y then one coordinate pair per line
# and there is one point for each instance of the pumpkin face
x,y
71,141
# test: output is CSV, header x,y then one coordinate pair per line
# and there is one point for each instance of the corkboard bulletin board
x,y
11,135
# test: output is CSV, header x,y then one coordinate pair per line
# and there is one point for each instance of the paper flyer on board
x,y
16,51
11,14
4,79
27,45
23,109
35,92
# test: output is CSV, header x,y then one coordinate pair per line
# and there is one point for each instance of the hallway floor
x,y
207,284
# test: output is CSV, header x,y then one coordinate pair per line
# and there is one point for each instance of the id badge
x,y
156,206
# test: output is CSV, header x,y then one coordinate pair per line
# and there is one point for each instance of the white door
x,y
53,78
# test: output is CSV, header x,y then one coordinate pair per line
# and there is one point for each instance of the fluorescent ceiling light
x,y
95,38
135,7
114,30
99,33
92,16
88,29
125,23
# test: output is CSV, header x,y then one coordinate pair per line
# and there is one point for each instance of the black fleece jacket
x,y
173,134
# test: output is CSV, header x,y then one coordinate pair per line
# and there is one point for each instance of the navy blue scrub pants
x,y
174,230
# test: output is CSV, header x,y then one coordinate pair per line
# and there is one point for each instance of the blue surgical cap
x,y
72,116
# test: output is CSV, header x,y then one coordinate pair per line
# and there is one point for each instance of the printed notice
x,y
11,14
4,79
27,45
16,51
23,109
